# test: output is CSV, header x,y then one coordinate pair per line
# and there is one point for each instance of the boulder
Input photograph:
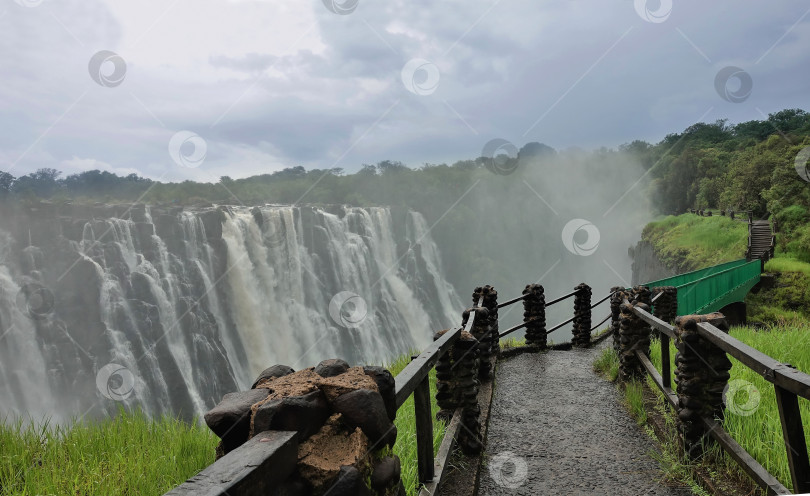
x,y
272,373
365,410
349,482
230,419
303,414
387,387
321,457
351,380
386,473
331,367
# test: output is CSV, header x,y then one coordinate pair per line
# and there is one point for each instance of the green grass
x,y
405,447
760,433
607,364
634,397
134,455
128,454
689,242
786,264
509,343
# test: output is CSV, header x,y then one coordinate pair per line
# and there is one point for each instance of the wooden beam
x,y
793,433
445,450
655,322
254,469
757,472
413,373
656,377
771,370
423,418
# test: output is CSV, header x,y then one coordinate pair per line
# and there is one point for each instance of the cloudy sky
x,y
182,89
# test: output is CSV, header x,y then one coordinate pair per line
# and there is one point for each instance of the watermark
x,y
738,95
187,149
802,161
348,309
115,382
655,16
741,397
345,7
501,156
420,76
35,300
29,3
508,470
580,237
107,68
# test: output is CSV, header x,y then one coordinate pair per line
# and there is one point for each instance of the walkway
x,y
556,427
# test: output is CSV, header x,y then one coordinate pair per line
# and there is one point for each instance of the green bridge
x,y
713,288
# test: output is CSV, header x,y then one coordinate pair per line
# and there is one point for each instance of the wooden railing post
x,y
793,433
582,316
534,314
701,377
424,430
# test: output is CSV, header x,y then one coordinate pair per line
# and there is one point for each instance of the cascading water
x,y
168,310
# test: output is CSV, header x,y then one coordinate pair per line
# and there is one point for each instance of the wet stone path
x,y
557,427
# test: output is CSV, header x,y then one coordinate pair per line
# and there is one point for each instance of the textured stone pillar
x,y
701,376
465,371
666,306
491,304
534,311
615,303
634,335
447,390
582,316
482,329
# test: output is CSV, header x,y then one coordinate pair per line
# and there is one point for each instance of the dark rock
x,y
331,367
292,487
365,409
272,373
387,386
349,482
386,473
230,419
303,414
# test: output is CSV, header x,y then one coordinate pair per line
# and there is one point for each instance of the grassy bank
x,y
752,417
132,454
689,242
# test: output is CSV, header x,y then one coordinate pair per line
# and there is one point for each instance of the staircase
x,y
760,240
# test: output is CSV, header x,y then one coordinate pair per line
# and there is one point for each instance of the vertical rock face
x,y
169,309
646,264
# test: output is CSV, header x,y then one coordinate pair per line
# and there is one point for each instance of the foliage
x,y
607,364
689,242
128,454
760,432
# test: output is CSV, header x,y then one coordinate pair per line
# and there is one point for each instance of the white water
x,y
189,315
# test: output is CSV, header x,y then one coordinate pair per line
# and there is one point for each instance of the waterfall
x,y
167,310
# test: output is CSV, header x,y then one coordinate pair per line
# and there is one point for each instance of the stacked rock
x,y
642,294
701,376
343,417
582,316
666,306
534,312
618,295
490,302
482,329
465,371
634,334
447,390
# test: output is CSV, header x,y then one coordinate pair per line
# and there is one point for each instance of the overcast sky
x,y
263,85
